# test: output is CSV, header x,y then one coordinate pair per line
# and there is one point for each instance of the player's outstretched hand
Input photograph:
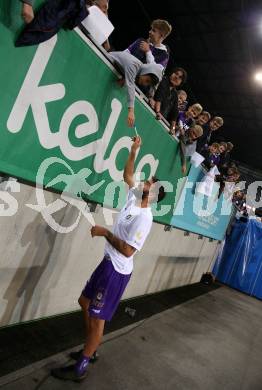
x,y
137,142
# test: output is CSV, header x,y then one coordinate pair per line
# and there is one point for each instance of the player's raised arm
x,y
129,167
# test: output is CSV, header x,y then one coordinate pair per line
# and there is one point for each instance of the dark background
x,y
219,43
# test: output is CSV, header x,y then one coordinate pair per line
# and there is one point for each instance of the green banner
x,y
63,112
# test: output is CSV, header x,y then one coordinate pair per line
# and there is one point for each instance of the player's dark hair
x,y
161,190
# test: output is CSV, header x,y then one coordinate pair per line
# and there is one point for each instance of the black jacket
x,y
168,98
204,139
53,15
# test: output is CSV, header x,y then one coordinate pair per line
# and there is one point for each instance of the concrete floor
x,y
211,342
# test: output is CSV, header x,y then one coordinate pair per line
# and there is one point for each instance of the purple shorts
x,y
105,289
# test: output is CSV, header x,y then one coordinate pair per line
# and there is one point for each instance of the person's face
x,y
234,177
230,171
202,120
155,35
148,188
176,78
148,184
222,149
103,5
213,149
144,186
193,134
181,99
238,194
153,190
192,112
214,125
144,80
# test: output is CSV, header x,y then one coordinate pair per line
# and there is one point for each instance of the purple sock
x,y
81,365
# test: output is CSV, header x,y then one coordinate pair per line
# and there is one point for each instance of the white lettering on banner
x,y
182,187
35,96
13,186
31,94
199,207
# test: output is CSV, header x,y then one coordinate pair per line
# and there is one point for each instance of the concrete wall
x,y
42,272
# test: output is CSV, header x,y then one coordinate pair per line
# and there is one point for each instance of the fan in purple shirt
x,y
212,156
186,119
152,49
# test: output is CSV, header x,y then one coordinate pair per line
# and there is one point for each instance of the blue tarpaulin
x,y
239,263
